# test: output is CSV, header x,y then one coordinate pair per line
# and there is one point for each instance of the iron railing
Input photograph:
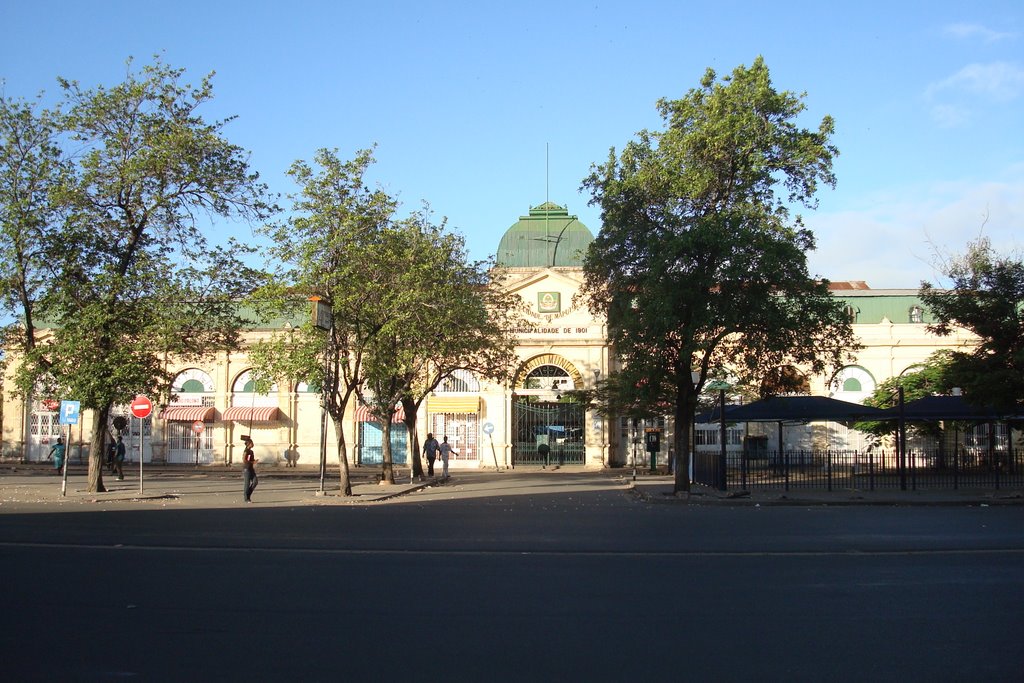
x,y
860,470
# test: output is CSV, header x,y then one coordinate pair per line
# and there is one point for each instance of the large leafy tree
x,y
121,268
407,306
445,314
32,167
330,249
985,296
699,266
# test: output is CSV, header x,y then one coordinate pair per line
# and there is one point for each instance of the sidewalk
x,y
208,486
654,488
35,486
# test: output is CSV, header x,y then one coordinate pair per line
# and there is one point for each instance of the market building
x,y
535,421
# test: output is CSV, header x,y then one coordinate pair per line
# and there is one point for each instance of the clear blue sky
x,y
463,99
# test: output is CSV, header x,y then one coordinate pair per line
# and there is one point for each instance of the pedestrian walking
x,y
57,453
119,452
445,449
430,448
249,478
544,451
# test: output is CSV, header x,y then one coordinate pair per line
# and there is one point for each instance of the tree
x,y
699,267
328,249
394,285
32,167
986,296
124,274
929,379
446,314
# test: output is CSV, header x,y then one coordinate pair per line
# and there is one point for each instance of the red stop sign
x,y
141,407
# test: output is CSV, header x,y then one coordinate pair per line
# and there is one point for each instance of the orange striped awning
x,y
252,414
363,414
188,413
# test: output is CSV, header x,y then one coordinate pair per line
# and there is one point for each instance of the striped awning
x,y
188,413
363,414
252,414
453,404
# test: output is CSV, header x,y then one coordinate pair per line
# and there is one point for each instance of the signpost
x,y
489,431
197,429
69,412
141,408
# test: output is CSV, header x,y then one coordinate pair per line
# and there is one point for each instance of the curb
x,y
833,499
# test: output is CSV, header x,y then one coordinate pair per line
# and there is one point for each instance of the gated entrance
x,y
557,425
548,420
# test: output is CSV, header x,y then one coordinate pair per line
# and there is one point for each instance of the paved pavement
x,y
35,485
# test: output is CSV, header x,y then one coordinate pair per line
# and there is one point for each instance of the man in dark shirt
x,y
249,478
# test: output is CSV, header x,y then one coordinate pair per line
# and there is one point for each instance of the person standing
x,y
249,478
118,465
430,447
57,453
445,449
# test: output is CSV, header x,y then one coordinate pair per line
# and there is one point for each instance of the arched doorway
x,y
548,417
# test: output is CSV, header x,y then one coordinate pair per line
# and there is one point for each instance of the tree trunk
x,y
346,483
388,475
414,438
96,444
685,407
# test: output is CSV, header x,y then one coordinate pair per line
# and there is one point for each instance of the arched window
x,y
459,381
549,377
243,392
853,383
192,387
916,314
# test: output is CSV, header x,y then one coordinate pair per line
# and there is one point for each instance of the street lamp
x,y
323,318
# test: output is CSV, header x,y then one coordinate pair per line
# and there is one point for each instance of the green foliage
x,y
408,306
986,297
929,379
699,266
110,253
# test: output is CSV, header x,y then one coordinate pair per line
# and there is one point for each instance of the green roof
x,y
872,306
547,237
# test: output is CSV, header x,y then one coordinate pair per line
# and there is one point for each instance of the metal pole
x,y
323,446
722,459
142,443
901,444
634,449
64,465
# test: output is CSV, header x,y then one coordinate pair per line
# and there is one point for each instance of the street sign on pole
x,y
69,411
141,407
198,427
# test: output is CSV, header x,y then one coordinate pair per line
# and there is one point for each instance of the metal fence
x,y
865,471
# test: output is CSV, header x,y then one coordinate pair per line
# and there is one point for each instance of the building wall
x,y
558,330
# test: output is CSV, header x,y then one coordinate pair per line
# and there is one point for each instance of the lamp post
x,y
323,318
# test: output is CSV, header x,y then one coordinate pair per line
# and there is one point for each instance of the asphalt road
x,y
534,578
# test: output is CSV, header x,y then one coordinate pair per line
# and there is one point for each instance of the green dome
x,y
549,236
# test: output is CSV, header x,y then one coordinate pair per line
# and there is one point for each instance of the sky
x,y
485,109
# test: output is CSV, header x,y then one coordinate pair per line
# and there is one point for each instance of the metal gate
x,y
132,435
557,425
461,430
181,444
44,428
